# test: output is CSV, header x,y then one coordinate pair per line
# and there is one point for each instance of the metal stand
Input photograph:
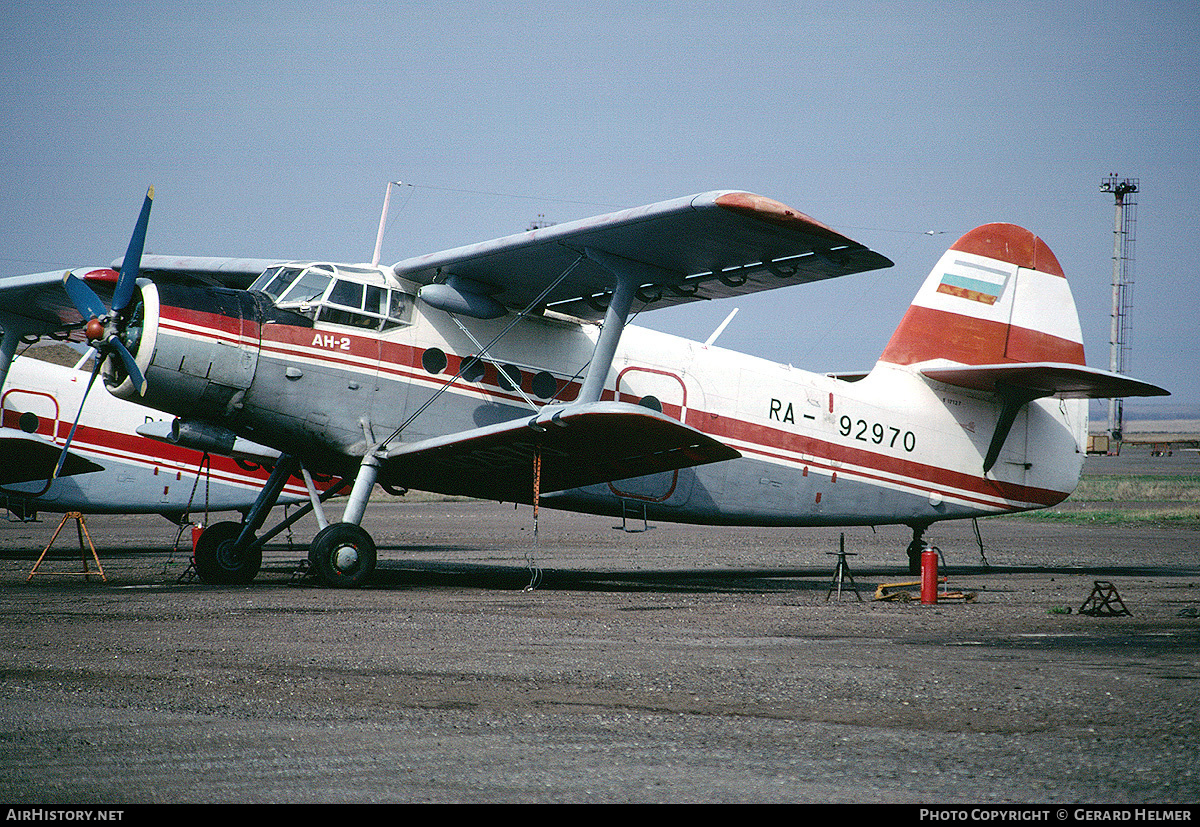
x,y
629,510
842,572
81,528
1104,601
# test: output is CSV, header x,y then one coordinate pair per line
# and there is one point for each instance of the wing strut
x,y
8,348
630,275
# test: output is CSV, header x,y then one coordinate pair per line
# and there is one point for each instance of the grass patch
x,y
1179,518
1129,500
1132,488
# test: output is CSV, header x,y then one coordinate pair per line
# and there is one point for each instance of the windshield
x,y
309,287
337,294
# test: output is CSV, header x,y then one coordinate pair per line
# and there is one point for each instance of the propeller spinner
x,y
106,329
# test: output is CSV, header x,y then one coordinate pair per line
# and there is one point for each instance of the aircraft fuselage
x,y
892,447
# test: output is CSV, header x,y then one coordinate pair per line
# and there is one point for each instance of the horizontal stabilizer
x,y
579,445
32,460
1039,379
1020,383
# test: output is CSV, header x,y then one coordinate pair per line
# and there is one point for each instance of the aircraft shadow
x,y
408,574
395,574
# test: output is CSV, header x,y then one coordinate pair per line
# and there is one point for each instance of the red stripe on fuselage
x,y
175,459
832,456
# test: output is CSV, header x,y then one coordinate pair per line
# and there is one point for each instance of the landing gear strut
x,y
229,553
916,547
342,555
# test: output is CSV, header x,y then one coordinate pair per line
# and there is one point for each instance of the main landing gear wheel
x,y
219,562
342,555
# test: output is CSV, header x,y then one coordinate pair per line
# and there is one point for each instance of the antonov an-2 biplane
x,y
505,370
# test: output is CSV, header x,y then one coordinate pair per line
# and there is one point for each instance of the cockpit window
x,y
346,294
399,310
275,280
308,288
337,294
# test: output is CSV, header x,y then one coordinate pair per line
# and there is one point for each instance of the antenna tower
x,y
1124,192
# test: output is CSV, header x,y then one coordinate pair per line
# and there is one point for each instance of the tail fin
x,y
997,296
996,315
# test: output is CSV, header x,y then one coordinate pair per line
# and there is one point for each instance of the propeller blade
x,y
83,297
131,367
70,436
133,257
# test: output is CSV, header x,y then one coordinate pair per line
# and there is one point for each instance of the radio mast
x,y
1124,192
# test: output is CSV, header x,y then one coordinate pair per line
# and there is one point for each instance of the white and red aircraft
x,y
124,459
506,370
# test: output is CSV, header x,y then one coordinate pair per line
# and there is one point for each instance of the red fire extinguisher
x,y
929,575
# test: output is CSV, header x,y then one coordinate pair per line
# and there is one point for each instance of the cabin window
x,y
510,377
473,369
544,384
399,310
652,403
433,360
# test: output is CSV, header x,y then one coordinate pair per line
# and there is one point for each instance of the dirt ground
x,y
590,664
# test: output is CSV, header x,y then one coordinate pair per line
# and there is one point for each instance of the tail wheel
x,y
343,555
220,562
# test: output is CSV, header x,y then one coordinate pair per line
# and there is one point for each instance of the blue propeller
x,y
106,328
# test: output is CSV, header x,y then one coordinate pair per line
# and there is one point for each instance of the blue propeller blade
x,y
62,458
83,297
133,257
135,373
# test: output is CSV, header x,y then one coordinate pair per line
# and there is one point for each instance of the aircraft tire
x,y
218,561
342,555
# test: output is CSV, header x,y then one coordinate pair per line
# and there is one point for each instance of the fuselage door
x,y
31,412
665,392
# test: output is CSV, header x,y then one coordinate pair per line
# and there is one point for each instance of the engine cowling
x,y
198,349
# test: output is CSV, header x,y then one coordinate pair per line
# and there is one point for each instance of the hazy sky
x,y
271,129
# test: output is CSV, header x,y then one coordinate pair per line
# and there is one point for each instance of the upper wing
x,y
706,246
579,445
237,273
37,304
